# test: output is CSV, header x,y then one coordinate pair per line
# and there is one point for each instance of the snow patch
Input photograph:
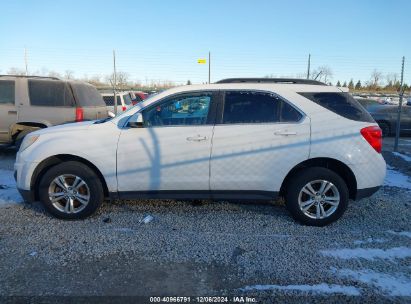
x,y
401,233
403,156
397,179
8,191
398,285
369,253
318,288
369,240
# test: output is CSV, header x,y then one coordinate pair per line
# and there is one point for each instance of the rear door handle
x,y
197,138
285,133
12,112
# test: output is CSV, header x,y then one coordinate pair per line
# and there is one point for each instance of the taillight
x,y
373,135
124,108
79,114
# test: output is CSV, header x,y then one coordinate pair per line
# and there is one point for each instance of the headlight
x,y
28,141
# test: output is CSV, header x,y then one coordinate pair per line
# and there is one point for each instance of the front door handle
x,y
285,133
197,138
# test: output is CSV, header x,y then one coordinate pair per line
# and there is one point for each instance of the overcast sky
x,y
163,39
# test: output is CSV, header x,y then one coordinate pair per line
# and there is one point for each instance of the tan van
x,y
28,103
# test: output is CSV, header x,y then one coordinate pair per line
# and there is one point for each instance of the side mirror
x,y
111,114
136,121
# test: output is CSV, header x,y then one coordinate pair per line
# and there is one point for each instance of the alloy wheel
x,y
69,193
319,199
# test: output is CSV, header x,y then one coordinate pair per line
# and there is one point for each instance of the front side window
x,y
50,93
187,109
257,107
6,92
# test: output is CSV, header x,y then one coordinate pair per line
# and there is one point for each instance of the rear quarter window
x,y
109,100
6,92
342,104
87,95
50,93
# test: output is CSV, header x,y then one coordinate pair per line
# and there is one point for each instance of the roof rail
x,y
271,80
24,76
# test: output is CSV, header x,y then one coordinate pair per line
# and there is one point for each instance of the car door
x,y
172,151
257,141
8,111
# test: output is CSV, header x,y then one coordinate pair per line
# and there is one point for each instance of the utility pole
x,y
209,67
309,65
115,82
397,133
25,61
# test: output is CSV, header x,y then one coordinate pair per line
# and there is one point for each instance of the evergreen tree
x,y
358,85
345,84
338,84
351,84
188,82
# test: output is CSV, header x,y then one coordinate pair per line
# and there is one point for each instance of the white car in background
x,y
238,139
124,101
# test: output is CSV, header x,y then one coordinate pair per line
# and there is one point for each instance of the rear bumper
x,y
366,192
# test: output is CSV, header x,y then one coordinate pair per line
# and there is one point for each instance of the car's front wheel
x,y
317,196
71,190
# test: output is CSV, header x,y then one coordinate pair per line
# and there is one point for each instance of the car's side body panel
x,y
152,159
257,156
96,143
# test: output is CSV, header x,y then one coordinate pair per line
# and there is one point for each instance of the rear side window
x,y
109,100
50,93
6,92
257,107
340,103
87,95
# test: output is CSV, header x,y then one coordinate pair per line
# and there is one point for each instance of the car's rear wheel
x,y
317,196
385,128
71,190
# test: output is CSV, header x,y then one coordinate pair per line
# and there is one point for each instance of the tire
x,y
316,176
85,198
385,128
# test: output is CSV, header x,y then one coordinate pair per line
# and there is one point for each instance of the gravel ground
x,y
211,248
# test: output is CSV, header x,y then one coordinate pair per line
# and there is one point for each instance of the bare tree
x,y
95,80
54,74
68,74
121,78
322,73
375,78
16,71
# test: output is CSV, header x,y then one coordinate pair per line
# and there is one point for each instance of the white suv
x,y
238,139
124,101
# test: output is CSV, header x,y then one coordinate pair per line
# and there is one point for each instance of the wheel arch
x,y
19,127
332,164
51,161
